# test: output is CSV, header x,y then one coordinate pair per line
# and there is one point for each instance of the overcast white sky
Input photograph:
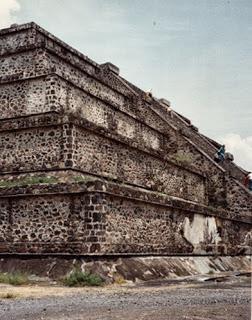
x,y
195,53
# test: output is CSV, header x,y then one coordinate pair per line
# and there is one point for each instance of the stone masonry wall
x,y
85,76
141,227
31,149
75,101
238,199
94,222
51,145
160,192
99,155
13,41
51,224
29,96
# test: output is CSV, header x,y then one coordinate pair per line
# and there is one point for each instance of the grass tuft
x,y
15,278
78,278
8,295
119,280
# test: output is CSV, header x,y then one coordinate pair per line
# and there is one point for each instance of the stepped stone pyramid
x,y
92,165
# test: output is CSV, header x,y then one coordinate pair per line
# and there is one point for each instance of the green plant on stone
x,y
210,272
82,178
119,280
79,179
15,278
27,181
78,278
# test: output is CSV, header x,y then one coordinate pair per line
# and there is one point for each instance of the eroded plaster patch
x,y
201,230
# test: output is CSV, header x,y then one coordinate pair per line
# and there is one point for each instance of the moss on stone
x,y
27,181
183,158
82,178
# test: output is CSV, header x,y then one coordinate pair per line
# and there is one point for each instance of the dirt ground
x,y
226,298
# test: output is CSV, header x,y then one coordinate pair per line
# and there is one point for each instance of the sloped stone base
x,y
126,268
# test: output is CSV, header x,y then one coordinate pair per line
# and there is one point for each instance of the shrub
x,y
15,278
77,278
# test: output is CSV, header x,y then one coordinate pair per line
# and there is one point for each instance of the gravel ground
x,y
229,300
